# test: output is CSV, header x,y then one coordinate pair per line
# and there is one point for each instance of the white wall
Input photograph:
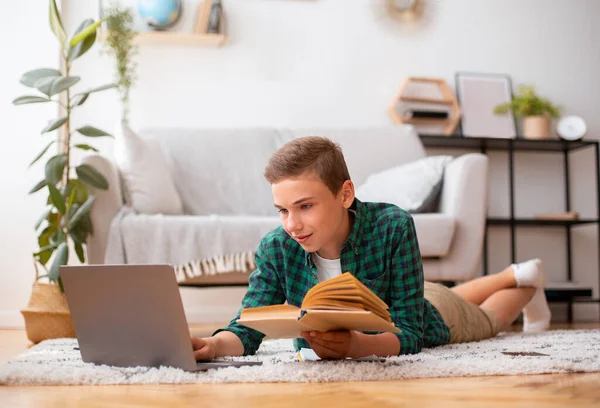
x,y
25,46
340,62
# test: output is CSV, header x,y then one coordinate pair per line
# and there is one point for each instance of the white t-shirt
x,y
327,268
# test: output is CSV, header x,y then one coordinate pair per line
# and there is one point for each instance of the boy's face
x,y
311,214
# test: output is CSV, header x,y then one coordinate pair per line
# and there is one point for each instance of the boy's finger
x,y
201,354
332,336
324,351
198,343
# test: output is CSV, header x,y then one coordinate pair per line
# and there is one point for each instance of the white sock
x,y
529,274
537,315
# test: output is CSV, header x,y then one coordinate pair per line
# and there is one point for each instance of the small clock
x,y
571,128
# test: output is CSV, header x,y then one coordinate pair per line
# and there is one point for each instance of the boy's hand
x,y
205,349
332,344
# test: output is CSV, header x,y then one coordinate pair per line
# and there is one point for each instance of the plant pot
x,y
536,127
47,314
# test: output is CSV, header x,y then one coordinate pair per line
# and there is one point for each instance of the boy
x,y
325,230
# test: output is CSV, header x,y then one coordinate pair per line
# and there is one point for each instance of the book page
x,y
326,320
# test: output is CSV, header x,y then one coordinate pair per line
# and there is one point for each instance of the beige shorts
x,y
467,321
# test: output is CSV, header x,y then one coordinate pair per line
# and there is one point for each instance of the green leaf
x,y
44,85
26,99
46,248
58,238
31,77
38,186
82,191
55,168
61,258
98,89
78,235
44,237
87,31
56,24
79,251
44,215
39,156
45,256
53,125
91,176
84,209
92,131
57,199
62,83
79,99
77,50
86,147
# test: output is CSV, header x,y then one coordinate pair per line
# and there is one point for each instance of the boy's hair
x,y
311,154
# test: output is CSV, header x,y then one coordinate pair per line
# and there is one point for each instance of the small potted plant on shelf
x,y
537,112
119,44
65,222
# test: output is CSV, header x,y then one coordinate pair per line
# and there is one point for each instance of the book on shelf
x,y
340,303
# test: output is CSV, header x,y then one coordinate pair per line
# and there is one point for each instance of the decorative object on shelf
x,y
571,128
405,10
65,222
478,94
202,15
535,110
569,215
427,103
159,14
119,43
214,17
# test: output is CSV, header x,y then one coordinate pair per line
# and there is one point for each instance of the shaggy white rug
x,y
55,362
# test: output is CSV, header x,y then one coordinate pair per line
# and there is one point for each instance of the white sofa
x,y
227,204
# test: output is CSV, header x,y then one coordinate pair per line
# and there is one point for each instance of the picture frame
x,y
478,94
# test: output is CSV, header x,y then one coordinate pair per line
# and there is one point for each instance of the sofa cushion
x,y
220,171
435,233
148,186
414,186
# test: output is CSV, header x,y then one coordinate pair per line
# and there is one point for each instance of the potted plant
x,y
65,222
119,44
536,112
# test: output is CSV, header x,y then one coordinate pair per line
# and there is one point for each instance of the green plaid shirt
x,y
381,251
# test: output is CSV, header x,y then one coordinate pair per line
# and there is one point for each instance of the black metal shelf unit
x,y
483,144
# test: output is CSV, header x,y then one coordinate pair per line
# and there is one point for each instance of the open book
x,y
339,303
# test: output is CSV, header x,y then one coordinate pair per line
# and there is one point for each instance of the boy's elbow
x,y
410,343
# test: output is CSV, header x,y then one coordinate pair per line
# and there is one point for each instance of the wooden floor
x,y
572,390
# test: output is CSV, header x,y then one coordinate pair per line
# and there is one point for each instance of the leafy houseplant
x,y
536,111
66,218
119,43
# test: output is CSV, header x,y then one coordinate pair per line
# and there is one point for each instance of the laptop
x,y
132,315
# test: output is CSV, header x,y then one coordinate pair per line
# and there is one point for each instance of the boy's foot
x,y
537,315
529,274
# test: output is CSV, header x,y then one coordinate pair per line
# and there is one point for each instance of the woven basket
x,y
47,314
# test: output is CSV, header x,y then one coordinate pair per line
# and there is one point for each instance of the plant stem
x,y
67,150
